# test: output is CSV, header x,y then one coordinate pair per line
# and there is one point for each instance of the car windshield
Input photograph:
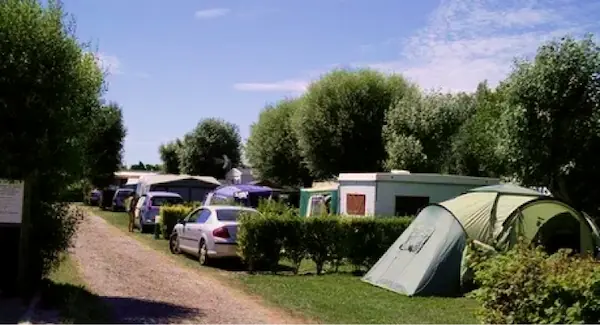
x,y
231,214
162,200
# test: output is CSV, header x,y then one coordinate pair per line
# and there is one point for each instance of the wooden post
x,y
23,280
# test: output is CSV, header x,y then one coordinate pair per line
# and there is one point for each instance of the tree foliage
x,y
204,148
273,147
50,90
104,145
481,148
420,128
339,122
146,167
169,155
555,126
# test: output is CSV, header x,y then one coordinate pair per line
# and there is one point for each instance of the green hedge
x,y
170,214
526,286
263,240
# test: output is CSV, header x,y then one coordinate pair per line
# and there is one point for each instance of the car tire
x,y
203,257
174,244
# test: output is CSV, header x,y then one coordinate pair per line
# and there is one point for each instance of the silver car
x,y
208,232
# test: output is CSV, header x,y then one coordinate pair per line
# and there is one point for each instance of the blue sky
x,y
173,63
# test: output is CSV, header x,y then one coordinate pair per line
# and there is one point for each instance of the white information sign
x,y
11,201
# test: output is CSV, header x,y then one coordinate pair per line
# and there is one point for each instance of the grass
x,y
329,298
66,292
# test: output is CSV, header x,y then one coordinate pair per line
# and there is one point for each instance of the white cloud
x,y
293,86
468,41
211,13
108,63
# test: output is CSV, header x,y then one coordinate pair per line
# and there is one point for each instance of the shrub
x,y
293,232
323,238
275,207
259,240
265,239
368,238
170,215
527,286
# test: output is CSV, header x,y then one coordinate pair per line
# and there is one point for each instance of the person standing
x,y
131,210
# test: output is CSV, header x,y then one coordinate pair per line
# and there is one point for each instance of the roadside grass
x,y
66,292
330,298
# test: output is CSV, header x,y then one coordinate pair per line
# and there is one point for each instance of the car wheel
x,y
203,254
174,244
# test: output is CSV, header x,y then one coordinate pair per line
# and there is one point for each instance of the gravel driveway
x,y
144,286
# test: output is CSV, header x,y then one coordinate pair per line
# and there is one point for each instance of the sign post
x,y
23,281
12,213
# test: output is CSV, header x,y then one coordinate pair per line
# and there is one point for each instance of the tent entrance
x,y
561,231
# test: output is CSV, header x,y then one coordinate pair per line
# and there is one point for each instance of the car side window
x,y
140,202
193,216
203,217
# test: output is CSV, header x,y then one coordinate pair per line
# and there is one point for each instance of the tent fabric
x,y
434,241
496,215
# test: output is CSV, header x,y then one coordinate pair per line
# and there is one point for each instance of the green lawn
x,y
330,298
68,294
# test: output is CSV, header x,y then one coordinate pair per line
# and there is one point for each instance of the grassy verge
x,y
67,293
330,298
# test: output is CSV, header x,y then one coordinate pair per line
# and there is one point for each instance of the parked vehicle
x,y
148,207
118,202
95,197
244,194
208,232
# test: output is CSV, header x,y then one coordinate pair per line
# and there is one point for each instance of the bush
x,y
275,207
527,286
170,215
367,239
263,240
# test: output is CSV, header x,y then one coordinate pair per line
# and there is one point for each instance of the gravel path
x,y
144,286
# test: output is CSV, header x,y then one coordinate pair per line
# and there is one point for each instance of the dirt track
x,y
144,286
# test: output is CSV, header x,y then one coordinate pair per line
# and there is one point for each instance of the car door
x,y
195,230
138,208
186,241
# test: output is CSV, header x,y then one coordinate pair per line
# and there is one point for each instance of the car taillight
x,y
221,232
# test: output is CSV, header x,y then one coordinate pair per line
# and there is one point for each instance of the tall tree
x,y
104,145
169,155
555,129
480,147
272,147
49,91
339,122
420,127
203,149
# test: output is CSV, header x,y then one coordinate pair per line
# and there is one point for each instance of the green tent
x,y
427,258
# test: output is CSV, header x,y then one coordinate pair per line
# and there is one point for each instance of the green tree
x,y
555,126
480,147
104,145
272,147
339,122
50,89
169,155
420,128
204,148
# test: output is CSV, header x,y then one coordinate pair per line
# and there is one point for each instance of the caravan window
x,y
356,204
410,205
